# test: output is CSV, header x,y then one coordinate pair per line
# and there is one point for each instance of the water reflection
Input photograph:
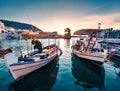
x,y
67,42
0,44
40,80
87,75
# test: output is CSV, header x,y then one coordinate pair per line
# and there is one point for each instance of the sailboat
x,y
88,48
21,66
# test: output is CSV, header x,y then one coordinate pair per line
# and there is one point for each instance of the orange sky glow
x,y
107,21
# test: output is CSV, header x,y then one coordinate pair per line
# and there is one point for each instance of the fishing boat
x,y
114,55
88,48
41,80
21,66
87,75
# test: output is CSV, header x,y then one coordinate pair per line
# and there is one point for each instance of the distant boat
x,y
114,55
21,67
87,75
89,49
109,40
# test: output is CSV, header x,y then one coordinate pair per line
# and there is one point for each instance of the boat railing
x,y
27,49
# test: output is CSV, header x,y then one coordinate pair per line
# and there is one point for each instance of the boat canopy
x,y
31,35
89,31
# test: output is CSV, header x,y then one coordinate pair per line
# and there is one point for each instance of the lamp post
x,y
99,25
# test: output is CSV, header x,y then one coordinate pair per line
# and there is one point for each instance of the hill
x,y
18,25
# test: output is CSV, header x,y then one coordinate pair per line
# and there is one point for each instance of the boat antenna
x,y
29,18
31,27
30,22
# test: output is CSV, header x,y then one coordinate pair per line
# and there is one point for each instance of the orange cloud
x,y
76,23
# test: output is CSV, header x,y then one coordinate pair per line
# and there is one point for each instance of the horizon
x,y
56,15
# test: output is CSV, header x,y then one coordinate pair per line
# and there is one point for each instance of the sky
x,y
56,15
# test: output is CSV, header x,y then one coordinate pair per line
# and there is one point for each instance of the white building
x,y
2,27
6,32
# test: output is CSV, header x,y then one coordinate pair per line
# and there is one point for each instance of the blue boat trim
x,y
28,62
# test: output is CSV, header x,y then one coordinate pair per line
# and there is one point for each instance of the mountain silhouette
x,y
19,25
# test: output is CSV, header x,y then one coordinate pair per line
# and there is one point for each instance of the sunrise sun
x,y
60,30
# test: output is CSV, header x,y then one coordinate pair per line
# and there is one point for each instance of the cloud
x,y
75,23
107,21
117,20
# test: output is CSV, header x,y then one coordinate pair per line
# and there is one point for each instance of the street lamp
x,y
99,25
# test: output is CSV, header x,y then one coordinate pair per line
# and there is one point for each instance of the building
x,y
2,27
7,32
114,34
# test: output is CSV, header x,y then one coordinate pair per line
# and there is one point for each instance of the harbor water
x,y
67,73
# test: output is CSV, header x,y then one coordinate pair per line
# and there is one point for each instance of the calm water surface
x,y
68,73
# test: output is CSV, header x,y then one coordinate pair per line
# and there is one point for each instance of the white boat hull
x,y
19,71
95,58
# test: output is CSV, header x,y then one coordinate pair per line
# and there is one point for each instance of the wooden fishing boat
x,y
89,49
21,66
42,79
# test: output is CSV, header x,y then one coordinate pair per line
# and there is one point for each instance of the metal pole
x,y
20,44
55,40
88,42
31,43
107,38
49,40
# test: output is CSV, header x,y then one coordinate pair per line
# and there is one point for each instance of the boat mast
x,y
107,41
89,42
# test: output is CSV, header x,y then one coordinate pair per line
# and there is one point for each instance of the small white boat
x,y
20,67
42,79
88,49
